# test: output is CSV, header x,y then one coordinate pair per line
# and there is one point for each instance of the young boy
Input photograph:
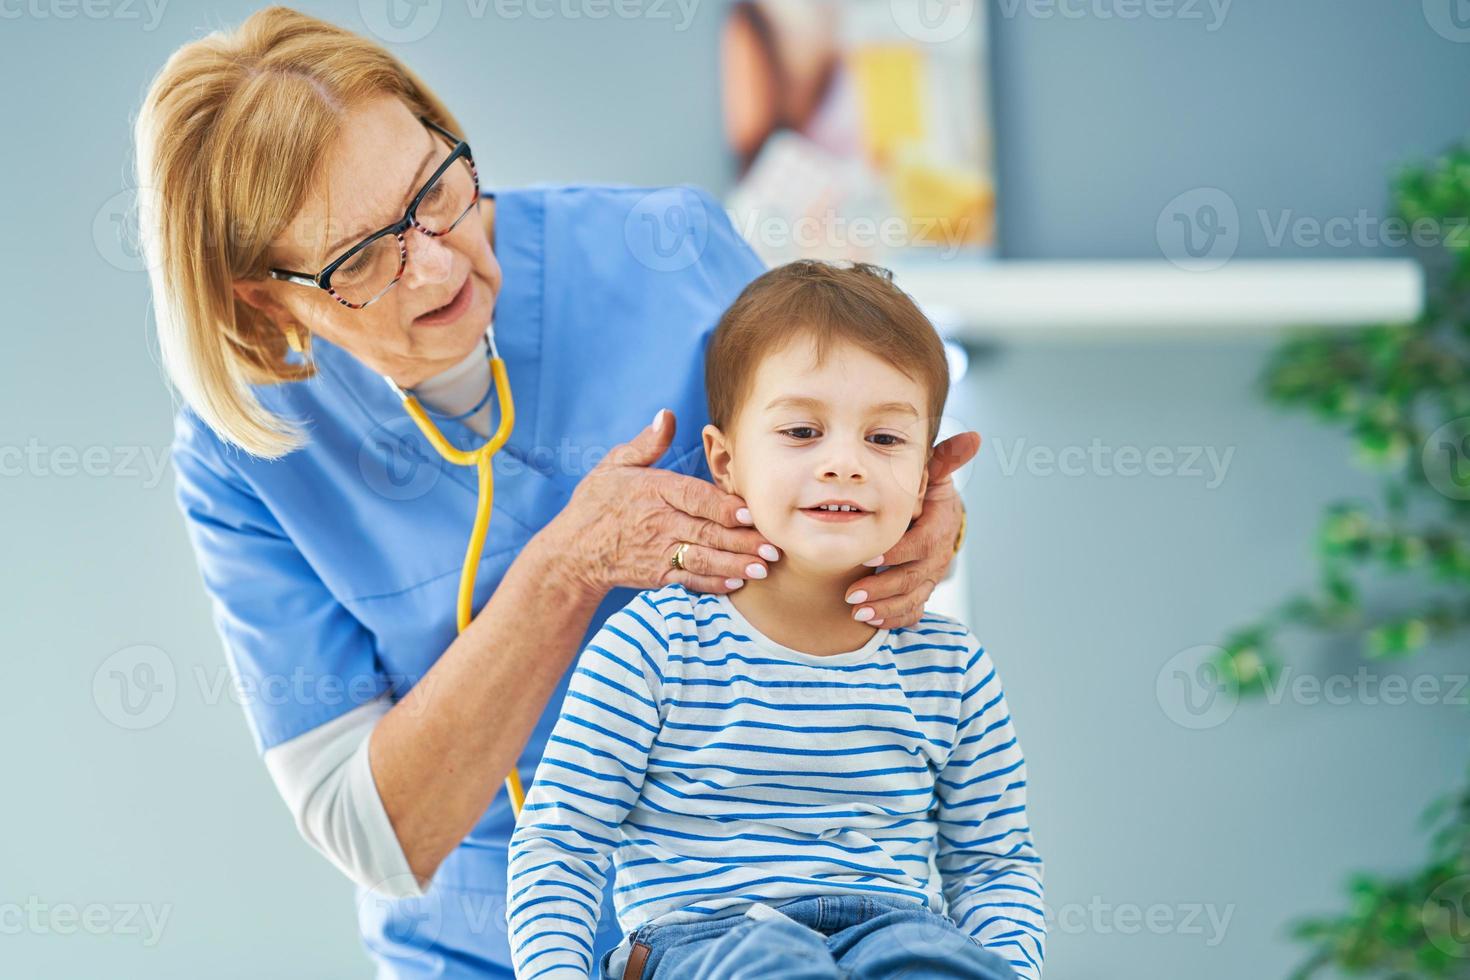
x,y
771,776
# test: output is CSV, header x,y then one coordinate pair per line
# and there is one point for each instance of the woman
x,y
314,225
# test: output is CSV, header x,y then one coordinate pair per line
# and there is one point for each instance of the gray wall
x,y
1084,586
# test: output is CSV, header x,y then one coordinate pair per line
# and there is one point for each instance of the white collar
x,y
460,386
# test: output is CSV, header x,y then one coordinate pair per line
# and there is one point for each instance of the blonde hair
x,y
228,143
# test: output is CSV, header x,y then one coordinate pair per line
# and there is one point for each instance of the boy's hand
x,y
916,564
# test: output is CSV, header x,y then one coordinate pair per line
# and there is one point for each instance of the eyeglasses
x,y
367,270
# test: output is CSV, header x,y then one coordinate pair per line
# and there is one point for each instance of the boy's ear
x,y
717,455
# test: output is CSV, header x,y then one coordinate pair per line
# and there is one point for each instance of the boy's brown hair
x,y
831,304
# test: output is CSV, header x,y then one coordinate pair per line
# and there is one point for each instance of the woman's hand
x,y
625,520
921,558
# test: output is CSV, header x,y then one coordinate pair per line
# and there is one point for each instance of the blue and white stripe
x,y
718,769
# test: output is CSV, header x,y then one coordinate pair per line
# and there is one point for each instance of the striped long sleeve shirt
x,y
717,768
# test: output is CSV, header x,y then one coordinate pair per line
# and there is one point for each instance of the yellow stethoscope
x,y
480,459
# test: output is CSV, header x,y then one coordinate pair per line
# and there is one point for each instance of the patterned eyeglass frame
x,y
323,279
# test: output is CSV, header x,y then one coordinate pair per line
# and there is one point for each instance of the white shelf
x,y
1006,300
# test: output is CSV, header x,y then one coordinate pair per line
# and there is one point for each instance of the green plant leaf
x,y
1389,387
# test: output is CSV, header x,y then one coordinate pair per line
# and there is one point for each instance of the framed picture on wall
x,y
860,129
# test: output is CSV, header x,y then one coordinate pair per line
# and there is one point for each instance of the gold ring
x,y
678,559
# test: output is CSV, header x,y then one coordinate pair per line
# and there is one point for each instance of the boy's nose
x,y
844,466
842,458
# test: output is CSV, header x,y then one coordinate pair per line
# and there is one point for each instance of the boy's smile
x,y
830,512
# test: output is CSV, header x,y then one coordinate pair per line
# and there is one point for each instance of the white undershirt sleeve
x,y
325,778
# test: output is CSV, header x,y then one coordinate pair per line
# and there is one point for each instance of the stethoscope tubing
x,y
480,459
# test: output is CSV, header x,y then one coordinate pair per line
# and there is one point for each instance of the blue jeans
x,y
826,937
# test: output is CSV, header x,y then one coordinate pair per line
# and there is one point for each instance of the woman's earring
x,y
293,340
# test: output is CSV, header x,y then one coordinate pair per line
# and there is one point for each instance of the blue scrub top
x,y
333,570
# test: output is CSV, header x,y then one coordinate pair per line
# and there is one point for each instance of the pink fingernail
x,y
733,583
859,596
874,562
755,571
769,552
863,614
876,622
743,516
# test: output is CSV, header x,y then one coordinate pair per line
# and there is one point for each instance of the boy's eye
x,y
795,433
